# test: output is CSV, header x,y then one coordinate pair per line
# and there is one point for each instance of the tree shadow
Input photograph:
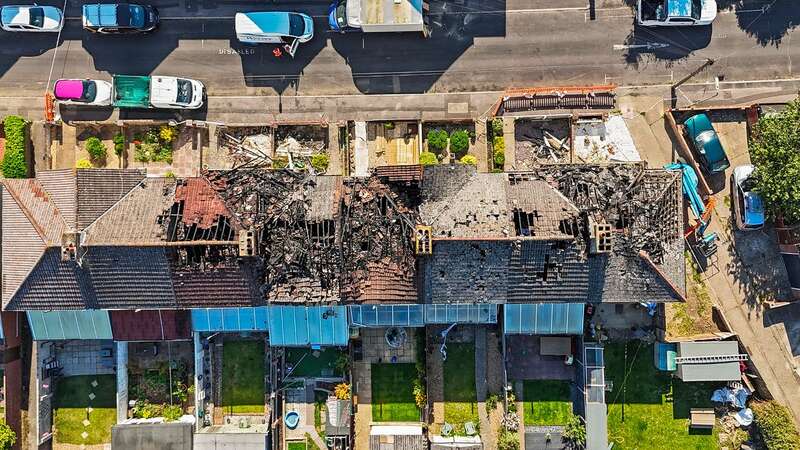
x,y
665,45
411,63
768,23
789,316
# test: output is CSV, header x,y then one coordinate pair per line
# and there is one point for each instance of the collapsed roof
x,y
560,233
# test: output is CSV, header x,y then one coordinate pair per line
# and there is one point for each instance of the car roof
x,y
699,124
20,14
272,22
68,89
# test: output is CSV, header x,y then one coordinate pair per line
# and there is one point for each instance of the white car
x,y
83,92
31,18
174,92
748,206
675,13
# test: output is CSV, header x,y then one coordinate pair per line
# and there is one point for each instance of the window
x,y
697,9
37,17
136,16
89,91
184,91
297,26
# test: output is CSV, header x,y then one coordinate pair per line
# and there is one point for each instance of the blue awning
x,y
300,326
230,319
544,318
387,315
460,313
71,324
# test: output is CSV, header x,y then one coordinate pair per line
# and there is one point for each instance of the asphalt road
x,y
477,45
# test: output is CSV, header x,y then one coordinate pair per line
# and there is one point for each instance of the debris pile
x,y
247,145
541,141
300,141
319,238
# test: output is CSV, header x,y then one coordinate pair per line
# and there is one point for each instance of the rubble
x,y
541,141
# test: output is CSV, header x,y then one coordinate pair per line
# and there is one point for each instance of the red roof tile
x,y
202,205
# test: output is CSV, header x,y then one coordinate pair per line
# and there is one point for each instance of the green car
x,y
706,143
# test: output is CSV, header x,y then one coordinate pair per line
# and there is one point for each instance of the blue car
x,y
706,142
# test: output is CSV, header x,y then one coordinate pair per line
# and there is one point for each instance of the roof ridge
x,y
646,258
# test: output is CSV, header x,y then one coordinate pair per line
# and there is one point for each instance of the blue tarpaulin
x,y
300,326
544,318
71,324
230,319
387,315
460,313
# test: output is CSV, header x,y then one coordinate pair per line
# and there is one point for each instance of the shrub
x,y
167,133
119,144
172,413
459,142
14,165
320,161
575,432
497,126
775,423
7,436
508,440
420,397
96,149
428,159
170,174
342,391
437,140
499,145
146,410
469,159
491,402
499,158
83,164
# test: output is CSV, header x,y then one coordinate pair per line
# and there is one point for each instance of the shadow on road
x,y
411,63
666,45
767,22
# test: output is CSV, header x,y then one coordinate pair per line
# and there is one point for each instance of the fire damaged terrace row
x,y
117,239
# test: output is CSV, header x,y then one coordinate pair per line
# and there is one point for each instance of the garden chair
x,y
447,429
469,427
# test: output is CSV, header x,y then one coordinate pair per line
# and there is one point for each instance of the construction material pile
x,y
318,237
541,141
247,145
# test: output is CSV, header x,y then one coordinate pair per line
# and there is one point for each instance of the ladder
x,y
709,359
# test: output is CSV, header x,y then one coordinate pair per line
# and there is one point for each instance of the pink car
x,y
83,92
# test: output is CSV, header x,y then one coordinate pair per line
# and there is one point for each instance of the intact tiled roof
x,y
384,282
134,220
402,173
38,207
150,325
231,284
22,246
201,203
458,202
130,276
62,187
325,198
99,189
54,284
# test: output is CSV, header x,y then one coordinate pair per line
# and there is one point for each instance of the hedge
x,y
13,165
437,140
775,423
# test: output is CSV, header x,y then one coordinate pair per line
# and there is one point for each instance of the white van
x,y
273,27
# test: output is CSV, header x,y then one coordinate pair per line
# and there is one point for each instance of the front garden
x,y
84,409
448,142
460,395
243,374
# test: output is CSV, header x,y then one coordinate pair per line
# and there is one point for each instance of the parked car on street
x,y
748,206
706,142
32,18
119,18
83,92
274,27
157,92
675,13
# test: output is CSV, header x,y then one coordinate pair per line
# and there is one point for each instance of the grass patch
x,y
460,396
392,393
243,377
308,365
657,405
296,446
547,402
70,409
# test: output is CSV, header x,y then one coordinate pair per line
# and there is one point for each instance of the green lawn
x,y
392,393
547,402
243,377
656,405
70,409
323,365
460,396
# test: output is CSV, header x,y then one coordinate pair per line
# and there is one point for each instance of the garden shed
x,y
709,361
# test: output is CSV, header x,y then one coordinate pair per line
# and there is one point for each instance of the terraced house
x,y
239,303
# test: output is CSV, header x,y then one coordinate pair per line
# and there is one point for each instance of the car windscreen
x,y
89,91
130,16
697,8
297,26
184,91
703,138
37,17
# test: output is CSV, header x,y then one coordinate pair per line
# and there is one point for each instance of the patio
x,y
525,363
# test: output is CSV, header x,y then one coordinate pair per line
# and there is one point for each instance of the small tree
x,y
459,142
775,424
437,140
775,151
469,159
497,126
428,159
119,144
7,436
96,149
499,158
